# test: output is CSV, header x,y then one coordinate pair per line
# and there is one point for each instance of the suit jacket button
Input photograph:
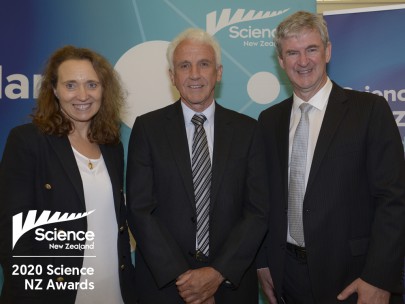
x,y
122,229
122,267
60,279
48,186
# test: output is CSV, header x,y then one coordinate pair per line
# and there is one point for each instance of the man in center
x,y
196,188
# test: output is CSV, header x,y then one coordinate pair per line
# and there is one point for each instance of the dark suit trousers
x,y
296,284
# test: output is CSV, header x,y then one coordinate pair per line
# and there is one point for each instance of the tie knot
x,y
198,119
305,107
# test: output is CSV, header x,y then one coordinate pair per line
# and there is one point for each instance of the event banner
x,y
368,53
133,35
252,79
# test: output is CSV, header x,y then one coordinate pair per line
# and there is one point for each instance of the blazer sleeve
x,y
386,174
241,246
273,176
154,242
17,180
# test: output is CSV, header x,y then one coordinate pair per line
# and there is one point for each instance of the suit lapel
x,y
112,165
282,137
223,132
67,160
177,137
334,114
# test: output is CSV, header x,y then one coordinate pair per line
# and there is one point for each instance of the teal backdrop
x,y
133,36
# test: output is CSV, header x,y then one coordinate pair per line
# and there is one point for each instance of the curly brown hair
x,y
105,125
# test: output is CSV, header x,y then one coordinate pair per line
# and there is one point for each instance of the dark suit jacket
x,y
162,207
354,206
39,172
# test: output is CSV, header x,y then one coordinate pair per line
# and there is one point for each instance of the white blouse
x,y
102,256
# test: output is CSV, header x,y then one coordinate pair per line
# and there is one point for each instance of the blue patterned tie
x,y
201,169
298,163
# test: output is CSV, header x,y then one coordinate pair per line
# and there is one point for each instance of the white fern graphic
x,y
19,228
225,18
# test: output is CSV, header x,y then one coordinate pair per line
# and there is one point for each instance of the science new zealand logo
x,y
21,227
252,36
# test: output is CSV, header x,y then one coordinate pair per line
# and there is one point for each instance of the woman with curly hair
x,y
63,173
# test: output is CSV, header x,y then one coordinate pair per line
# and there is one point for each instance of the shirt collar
x,y
189,113
319,100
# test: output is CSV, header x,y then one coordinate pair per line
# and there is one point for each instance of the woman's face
x,y
79,90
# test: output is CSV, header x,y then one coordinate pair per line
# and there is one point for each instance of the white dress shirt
x,y
208,126
319,102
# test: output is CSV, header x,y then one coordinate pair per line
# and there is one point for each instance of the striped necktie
x,y
201,169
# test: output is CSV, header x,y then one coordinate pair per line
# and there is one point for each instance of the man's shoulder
x,y
158,114
235,116
355,96
360,95
277,108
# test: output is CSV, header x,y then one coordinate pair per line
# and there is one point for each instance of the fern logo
x,y
225,19
19,228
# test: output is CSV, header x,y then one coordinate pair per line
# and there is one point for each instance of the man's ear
x,y
281,61
171,74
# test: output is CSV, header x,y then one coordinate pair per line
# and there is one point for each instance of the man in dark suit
x,y
344,240
176,261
